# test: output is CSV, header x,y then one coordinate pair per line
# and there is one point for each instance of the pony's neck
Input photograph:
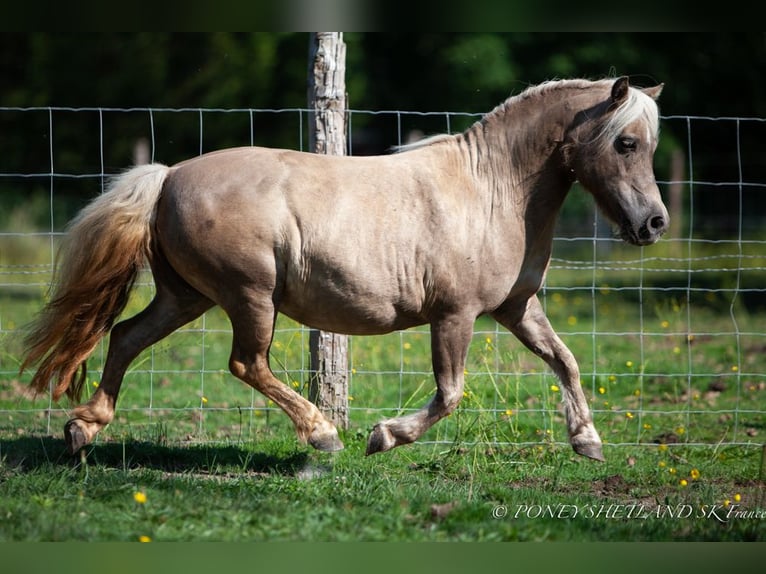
x,y
516,149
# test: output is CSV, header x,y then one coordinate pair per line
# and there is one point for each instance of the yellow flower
x,y
676,350
662,464
737,498
680,430
662,447
601,390
672,470
637,392
726,502
139,497
647,426
95,384
508,412
204,400
665,324
350,398
629,415
407,346
144,538
612,379
694,473
572,320
629,364
734,368
555,388
683,482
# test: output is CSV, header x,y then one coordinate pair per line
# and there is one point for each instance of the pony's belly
x,y
347,315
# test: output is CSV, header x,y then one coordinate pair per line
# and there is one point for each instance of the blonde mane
x,y
637,105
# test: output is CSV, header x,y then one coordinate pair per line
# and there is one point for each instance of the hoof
x,y
590,450
380,440
74,437
326,442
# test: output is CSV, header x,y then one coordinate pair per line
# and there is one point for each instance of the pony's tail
x,y
106,246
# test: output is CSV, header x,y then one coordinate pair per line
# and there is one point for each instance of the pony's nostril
x,y
657,223
652,228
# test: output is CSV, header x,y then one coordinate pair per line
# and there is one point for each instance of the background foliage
x,y
706,73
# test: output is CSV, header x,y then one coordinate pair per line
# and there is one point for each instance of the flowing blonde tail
x,y
106,246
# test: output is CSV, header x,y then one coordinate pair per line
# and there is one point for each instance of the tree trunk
x,y
675,199
328,388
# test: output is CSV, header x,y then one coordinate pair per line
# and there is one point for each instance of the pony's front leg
x,y
532,328
450,338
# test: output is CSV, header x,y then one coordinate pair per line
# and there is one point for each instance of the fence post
x,y
328,387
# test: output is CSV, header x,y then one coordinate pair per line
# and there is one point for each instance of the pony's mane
x,y
422,142
636,105
553,86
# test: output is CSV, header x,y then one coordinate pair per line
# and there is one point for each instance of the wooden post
x,y
328,387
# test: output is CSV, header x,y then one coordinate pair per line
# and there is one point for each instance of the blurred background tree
x,y
707,73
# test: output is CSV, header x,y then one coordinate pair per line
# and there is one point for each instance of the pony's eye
x,y
625,144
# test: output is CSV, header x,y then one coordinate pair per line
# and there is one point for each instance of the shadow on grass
x,y
26,454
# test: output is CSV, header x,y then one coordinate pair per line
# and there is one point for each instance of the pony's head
x,y
610,148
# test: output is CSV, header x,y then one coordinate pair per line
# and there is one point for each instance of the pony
x,y
440,233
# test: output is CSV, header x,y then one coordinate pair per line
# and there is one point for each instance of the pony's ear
x,y
619,91
653,92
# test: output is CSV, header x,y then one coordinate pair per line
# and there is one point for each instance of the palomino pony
x,y
440,233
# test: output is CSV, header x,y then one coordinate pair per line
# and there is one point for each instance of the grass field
x,y
676,379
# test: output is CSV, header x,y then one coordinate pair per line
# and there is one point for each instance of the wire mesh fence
x,y
669,338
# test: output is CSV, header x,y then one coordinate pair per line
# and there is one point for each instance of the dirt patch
x,y
13,390
611,486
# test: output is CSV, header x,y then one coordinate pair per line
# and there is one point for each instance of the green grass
x,y
217,461
273,490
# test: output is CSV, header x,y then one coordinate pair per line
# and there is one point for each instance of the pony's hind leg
x,y
169,310
450,338
253,326
530,325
